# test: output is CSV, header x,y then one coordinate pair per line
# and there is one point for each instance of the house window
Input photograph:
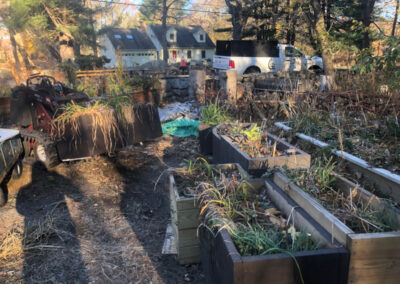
x,y
171,37
201,37
189,54
117,36
203,54
174,54
129,36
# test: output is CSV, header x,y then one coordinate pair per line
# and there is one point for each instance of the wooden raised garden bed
x,y
384,180
88,136
185,215
141,123
205,139
222,262
374,257
276,153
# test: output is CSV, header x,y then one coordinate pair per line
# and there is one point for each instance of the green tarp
x,y
181,128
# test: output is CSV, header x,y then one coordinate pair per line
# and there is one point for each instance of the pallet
x,y
374,257
185,218
223,264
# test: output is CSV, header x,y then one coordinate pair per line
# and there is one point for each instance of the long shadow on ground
x,y
49,232
146,208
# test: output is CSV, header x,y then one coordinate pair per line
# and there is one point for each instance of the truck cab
x,y
261,57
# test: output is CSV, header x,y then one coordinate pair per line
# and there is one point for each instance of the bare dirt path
x,y
96,221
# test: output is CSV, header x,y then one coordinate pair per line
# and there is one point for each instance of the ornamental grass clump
x,y
100,116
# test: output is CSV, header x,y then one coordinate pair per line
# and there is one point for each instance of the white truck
x,y
250,56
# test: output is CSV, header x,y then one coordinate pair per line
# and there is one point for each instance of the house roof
x,y
185,36
130,39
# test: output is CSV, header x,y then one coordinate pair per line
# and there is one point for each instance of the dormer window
x,y
201,37
171,35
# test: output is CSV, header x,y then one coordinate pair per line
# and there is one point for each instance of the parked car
x,y
11,154
250,56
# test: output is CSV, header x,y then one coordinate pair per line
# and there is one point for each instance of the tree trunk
x,y
396,15
14,50
237,23
164,31
238,20
367,7
25,57
93,35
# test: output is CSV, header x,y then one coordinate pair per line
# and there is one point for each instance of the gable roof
x,y
185,37
130,39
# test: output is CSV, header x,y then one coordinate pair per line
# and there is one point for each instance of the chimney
x,y
143,25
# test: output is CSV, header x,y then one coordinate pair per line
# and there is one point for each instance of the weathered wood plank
x,y
302,221
189,254
374,258
188,237
329,222
346,186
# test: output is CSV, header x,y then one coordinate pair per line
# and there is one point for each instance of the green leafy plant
x,y
253,134
213,114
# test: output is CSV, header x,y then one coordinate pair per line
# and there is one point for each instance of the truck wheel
x,y
3,195
252,70
47,155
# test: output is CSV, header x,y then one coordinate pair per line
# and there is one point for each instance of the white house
x,y
136,47
133,46
191,43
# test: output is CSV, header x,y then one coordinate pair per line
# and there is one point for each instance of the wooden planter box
x,y
374,257
205,139
222,262
89,140
383,180
225,151
185,219
141,123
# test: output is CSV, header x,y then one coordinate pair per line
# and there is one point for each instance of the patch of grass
x,y
11,247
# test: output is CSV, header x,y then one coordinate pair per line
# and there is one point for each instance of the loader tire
x,y
44,148
46,153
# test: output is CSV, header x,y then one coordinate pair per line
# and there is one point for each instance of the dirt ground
x,y
97,221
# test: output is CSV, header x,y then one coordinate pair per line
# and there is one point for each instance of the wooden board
x,y
329,222
223,264
229,152
185,213
374,257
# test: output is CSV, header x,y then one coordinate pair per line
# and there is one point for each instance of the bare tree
x,y
396,15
